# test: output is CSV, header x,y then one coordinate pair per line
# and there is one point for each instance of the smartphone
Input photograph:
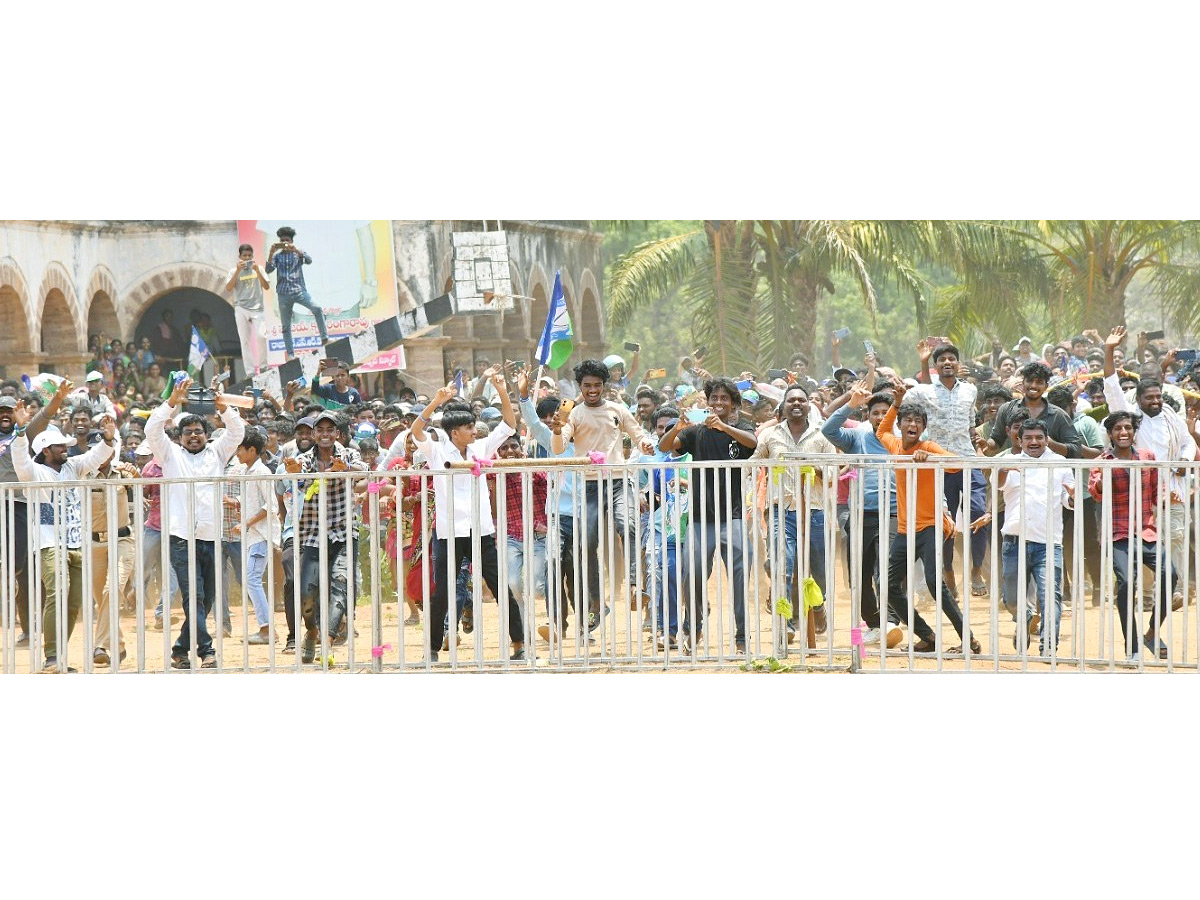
x,y
744,385
842,333
869,348
696,416
657,373
330,363
935,340
565,407
1186,355
772,374
633,346
1155,335
699,352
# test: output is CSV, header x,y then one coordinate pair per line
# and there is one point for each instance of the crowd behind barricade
x,y
1080,399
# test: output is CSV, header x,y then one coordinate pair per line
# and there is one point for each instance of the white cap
x,y
94,376
48,437
143,449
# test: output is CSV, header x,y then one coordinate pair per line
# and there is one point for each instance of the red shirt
x,y
1121,498
515,509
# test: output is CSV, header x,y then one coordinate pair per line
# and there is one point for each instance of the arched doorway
x,y
15,352
60,344
188,304
102,317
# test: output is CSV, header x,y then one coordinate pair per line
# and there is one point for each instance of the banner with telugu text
x,y
352,278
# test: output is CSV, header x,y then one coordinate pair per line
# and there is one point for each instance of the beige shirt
x,y
776,440
599,428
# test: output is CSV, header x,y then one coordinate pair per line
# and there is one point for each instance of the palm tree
x,y
753,287
1073,274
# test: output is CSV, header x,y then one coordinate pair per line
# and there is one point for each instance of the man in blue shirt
x,y
341,391
289,262
864,441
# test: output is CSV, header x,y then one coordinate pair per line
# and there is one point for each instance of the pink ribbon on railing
x,y
856,640
480,465
597,458
378,651
374,486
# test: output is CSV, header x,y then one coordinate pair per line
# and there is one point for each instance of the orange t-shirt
x,y
927,502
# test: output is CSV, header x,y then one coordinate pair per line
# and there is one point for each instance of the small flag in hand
x,y
197,354
557,342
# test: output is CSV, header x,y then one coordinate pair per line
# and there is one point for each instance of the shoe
x,y
338,640
870,636
739,648
895,634
23,641
1035,624
1156,647
468,620
821,620
1147,604
227,631
180,662
290,646
209,662
665,643
309,649
157,626
543,632
259,638
925,645
518,655
1177,601
593,621
413,620
433,657
100,657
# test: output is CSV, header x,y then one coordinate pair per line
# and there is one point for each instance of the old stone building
x,y
62,281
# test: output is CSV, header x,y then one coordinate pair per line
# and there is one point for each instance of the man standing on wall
x,y
289,261
248,282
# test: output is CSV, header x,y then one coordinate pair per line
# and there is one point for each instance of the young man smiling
x,y
723,436
1061,436
929,508
596,425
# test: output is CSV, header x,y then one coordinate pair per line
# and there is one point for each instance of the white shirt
x,y
1029,494
258,495
951,413
74,469
1165,435
441,452
205,519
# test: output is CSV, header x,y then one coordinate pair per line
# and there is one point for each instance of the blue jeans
x,y
152,562
1035,565
953,491
286,304
206,565
704,538
337,575
462,593
517,561
1123,557
619,517
660,558
256,565
816,552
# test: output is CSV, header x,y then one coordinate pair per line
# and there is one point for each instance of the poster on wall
x,y
352,277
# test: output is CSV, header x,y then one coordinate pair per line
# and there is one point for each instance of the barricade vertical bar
x,y
884,485
216,591
114,581
477,578
193,653
325,483
243,581
910,476
1022,623
965,496
350,549
87,613
451,629
1078,608
939,578
273,534
139,575
995,576
374,531
166,567
1053,577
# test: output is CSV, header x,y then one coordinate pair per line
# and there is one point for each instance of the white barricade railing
x,y
643,566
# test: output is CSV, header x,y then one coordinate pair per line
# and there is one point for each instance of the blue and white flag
x,y
459,384
557,342
197,354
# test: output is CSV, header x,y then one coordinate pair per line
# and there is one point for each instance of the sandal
x,y
925,645
976,649
979,588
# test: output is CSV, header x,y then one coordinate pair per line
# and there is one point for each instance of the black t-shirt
x,y
708,444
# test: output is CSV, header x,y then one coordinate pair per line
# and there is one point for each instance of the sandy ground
x,y
623,644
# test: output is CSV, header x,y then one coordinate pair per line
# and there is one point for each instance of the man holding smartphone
x,y
289,261
341,391
248,282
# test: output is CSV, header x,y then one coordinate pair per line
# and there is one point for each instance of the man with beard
x,y
326,455
59,535
717,515
1165,433
193,457
19,527
1061,436
1031,496
81,424
796,434
300,444
1122,428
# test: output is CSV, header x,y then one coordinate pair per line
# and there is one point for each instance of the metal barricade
x,y
644,566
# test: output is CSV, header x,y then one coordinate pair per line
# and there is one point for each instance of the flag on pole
x,y
459,384
197,353
556,344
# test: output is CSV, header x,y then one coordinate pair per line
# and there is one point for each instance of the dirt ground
x,y
623,644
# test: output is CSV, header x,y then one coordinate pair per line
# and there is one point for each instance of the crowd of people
x,y
1078,400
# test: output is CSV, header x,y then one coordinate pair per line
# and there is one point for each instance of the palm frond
x,y
648,272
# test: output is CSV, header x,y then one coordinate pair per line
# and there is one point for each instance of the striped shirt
x,y
336,506
290,268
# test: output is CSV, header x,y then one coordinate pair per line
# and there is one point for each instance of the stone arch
x,y
157,282
60,318
102,317
589,286
17,334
